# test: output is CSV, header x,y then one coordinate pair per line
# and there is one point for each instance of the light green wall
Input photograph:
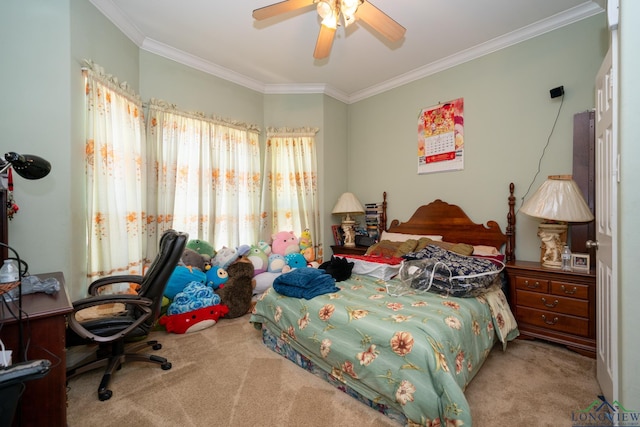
x,y
330,117
368,147
629,205
193,90
35,118
508,117
334,172
93,37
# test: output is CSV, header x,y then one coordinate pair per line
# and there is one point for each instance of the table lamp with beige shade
x,y
557,202
347,205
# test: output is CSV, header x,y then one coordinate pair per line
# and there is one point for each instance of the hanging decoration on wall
x,y
441,137
12,206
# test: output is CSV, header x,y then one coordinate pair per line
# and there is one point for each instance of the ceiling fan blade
x,y
380,21
279,8
324,43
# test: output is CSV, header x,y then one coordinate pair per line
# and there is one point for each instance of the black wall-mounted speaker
x,y
556,92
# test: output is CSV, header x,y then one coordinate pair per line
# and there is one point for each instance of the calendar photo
x,y
441,137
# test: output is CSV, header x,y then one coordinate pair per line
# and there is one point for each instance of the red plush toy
x,y
195,320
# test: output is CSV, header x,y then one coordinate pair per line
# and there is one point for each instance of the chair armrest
x,y
143,304
94,287
111,299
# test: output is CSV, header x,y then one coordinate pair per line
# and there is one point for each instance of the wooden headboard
x,y
455,226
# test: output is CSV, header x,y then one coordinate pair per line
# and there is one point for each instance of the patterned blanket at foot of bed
x,y
410,356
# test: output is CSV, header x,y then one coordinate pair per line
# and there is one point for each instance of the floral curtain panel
x,y
115,170
290,186
206,178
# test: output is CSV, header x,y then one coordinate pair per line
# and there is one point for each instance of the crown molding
x,y
560,20
583,11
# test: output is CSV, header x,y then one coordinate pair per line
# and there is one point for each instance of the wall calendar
x,y
441,137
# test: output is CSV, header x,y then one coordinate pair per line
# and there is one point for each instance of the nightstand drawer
x,y
557,304
553,321
570,290
532,284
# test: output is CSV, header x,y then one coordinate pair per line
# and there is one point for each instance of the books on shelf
x,y
373,212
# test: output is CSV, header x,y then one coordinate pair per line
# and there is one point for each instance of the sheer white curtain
x,y
290,186
115,171
207,175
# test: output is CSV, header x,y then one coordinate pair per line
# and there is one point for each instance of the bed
x,y
408,355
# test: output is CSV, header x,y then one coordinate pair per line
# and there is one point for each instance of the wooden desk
x,y
44,402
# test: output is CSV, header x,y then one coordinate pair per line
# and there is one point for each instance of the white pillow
x,y
485,250
375,269
401,237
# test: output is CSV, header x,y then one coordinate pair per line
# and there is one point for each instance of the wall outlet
x,y
5,358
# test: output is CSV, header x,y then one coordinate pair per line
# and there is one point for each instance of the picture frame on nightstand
x,y
337,234
580,262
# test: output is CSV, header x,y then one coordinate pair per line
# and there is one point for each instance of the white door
x,y
606,222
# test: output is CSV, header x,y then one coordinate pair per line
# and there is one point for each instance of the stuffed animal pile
x,y
210,284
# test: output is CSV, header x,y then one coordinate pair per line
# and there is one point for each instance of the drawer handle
x,y
550,305
569,292
549,322
534,286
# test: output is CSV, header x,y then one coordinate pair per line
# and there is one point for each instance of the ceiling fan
x,y
331,12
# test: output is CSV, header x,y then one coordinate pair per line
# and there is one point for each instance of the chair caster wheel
x,y
166,366
157,346
105,395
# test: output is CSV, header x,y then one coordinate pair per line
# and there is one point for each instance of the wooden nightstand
x,y
343,250
554,305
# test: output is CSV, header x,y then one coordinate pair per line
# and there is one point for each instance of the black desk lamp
x,y
27,166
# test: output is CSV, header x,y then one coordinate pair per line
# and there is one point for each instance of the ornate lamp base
x,y
348,226
552,237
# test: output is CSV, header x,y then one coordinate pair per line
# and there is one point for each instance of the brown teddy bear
x,y
237,292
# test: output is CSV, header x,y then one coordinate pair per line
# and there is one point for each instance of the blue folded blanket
x,y
305,283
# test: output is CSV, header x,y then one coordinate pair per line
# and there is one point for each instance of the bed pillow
x,y
485,250
401,237
489,252
459,248
389,249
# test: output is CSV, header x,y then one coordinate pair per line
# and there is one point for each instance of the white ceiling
x,y
220,37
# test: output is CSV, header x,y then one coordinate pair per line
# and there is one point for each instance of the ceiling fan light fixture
x,y
349,7
330,21
348,19
324,9
334,13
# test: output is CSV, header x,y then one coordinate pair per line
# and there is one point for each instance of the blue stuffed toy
x,y
182,276
276,263
295,260
216,277
194,296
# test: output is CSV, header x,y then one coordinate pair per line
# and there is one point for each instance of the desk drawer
x,y
553,321
531,284
555,303
570,290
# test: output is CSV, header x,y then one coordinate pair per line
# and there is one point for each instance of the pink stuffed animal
x,y
284,243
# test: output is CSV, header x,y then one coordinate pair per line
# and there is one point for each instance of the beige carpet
x,y
224,376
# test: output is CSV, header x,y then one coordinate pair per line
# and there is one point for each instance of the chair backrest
x,y
154,282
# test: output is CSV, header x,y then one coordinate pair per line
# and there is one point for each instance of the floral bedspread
x,y
416,353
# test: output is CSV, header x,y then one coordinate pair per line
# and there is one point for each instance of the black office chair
x,y
12,385
119,337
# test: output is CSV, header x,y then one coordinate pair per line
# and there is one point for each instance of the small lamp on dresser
x,y
347,205
557,202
